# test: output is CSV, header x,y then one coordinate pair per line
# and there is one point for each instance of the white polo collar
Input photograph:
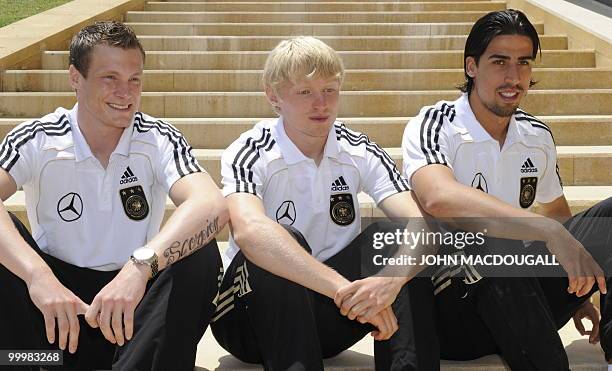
x,y
82,151
467,119
292,155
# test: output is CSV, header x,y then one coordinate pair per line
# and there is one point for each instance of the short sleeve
x,y
382,178
425,141
550,186
242,168
176,158
19,149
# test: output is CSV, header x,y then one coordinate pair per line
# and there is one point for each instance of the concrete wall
x,y
584,28
21,42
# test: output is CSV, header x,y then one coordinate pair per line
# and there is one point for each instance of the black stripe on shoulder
x,y
357,139
430,132
523,114
246,157
184,161
9,149
534,121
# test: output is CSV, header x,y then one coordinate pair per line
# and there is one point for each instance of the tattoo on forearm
x,y
179,249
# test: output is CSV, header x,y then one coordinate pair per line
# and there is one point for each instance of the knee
x,y
603,208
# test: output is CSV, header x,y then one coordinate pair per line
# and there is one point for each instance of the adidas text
x,y
336,188
128,180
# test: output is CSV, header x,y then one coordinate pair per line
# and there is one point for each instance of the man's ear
x,y
74,77
471,67
273,97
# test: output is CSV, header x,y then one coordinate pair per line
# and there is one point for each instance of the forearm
x,y
15,254
193,224
473,210
268,245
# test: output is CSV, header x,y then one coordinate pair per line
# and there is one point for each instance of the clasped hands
x,y
369,300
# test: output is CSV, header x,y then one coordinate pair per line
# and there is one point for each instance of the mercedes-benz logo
x,y
285,214
70,207
480,183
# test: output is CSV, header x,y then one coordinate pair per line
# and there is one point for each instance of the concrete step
x,y
320,29
193,60
360,357
275,6
578,165
579,198
360,104
274,17
219,133
355,80
267,43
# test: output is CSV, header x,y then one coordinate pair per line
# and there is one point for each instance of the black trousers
x,y
168,323
262,318
519,317
593,228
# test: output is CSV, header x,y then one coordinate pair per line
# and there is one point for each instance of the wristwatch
x,y
147,256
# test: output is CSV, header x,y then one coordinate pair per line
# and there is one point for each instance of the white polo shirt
x,y
79,211
523,171
320,201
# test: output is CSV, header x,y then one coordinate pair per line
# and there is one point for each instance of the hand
x,y
363,299
116,303
56,302
386,324
582,270
588,310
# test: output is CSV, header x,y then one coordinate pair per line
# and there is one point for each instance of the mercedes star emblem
x,y
70,207
480,183
285,214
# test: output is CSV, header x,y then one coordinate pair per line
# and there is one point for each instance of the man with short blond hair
x,y
292,186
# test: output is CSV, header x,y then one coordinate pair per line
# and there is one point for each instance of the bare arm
x,y
442,196
365,298
201,212
268,245
55,301
558,210
15,254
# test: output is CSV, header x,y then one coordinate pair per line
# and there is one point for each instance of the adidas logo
x,y
128,176
339,185
528,167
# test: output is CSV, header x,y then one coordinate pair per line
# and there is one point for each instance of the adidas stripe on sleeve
x,y
425,140
381,177
20,147
176,157
241,164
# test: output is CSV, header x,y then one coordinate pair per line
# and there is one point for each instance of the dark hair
x,y
109,33
503,22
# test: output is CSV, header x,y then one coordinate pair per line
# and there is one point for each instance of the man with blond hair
x,y
292,185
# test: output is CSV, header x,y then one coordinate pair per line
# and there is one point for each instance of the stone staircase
x,y
203,71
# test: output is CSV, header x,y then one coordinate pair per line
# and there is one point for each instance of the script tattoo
x,y
179,249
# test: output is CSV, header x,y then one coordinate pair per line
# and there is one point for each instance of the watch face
x,y
143,253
